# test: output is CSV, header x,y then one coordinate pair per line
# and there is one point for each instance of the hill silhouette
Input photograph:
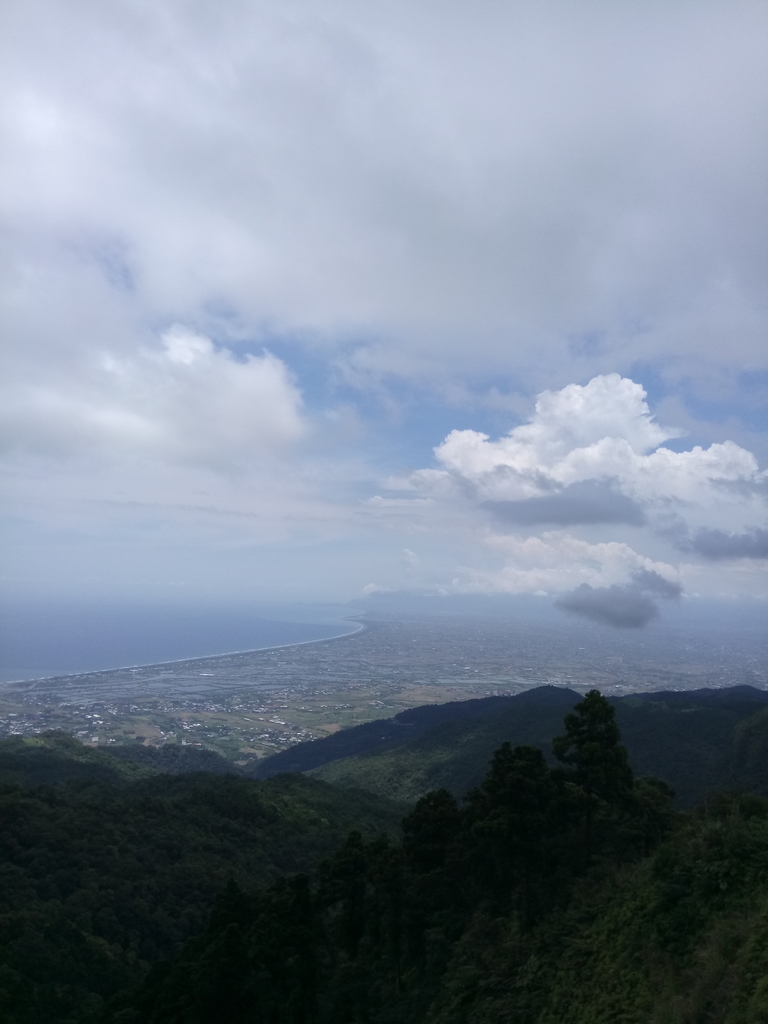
x,y
699,741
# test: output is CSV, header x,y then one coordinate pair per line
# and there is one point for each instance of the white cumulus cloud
x,y
600,431
592,460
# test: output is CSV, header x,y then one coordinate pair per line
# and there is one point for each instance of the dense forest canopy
x,y
559,889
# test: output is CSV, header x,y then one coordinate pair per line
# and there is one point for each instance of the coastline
x,y
21,683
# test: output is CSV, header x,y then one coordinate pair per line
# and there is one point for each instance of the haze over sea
x,y
40,639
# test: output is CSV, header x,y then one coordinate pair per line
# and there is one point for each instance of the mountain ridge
x,y
700,741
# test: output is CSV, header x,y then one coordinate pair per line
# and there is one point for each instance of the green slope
x,y
699,742
453,754
750,752
54,757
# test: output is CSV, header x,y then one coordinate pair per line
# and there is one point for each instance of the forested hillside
x,y
111,869
55,757
562,889
536,713
700,741
572,895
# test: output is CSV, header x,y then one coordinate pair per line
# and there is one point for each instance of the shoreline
x,y
19,683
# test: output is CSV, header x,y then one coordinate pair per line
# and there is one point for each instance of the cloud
x,y
589,454
388,207
407,176
551,562
648,581
586,503
630,606
716,544
591,460
184,400
579,432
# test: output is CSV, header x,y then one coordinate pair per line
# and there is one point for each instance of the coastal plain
x,y
249,705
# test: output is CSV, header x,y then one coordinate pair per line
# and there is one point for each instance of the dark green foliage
x,y
174,759
515,818
258,961
679,937
99,879
407,726
591,748
375,938
54,757
750,753
454,753
565,894
599,767
430,829
699,741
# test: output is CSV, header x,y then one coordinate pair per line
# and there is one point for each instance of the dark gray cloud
x,y
717,545
645,580
581,504
625,607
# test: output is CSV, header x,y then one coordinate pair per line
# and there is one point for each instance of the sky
x,y
316,300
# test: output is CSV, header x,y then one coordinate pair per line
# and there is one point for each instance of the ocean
x,y
43,639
